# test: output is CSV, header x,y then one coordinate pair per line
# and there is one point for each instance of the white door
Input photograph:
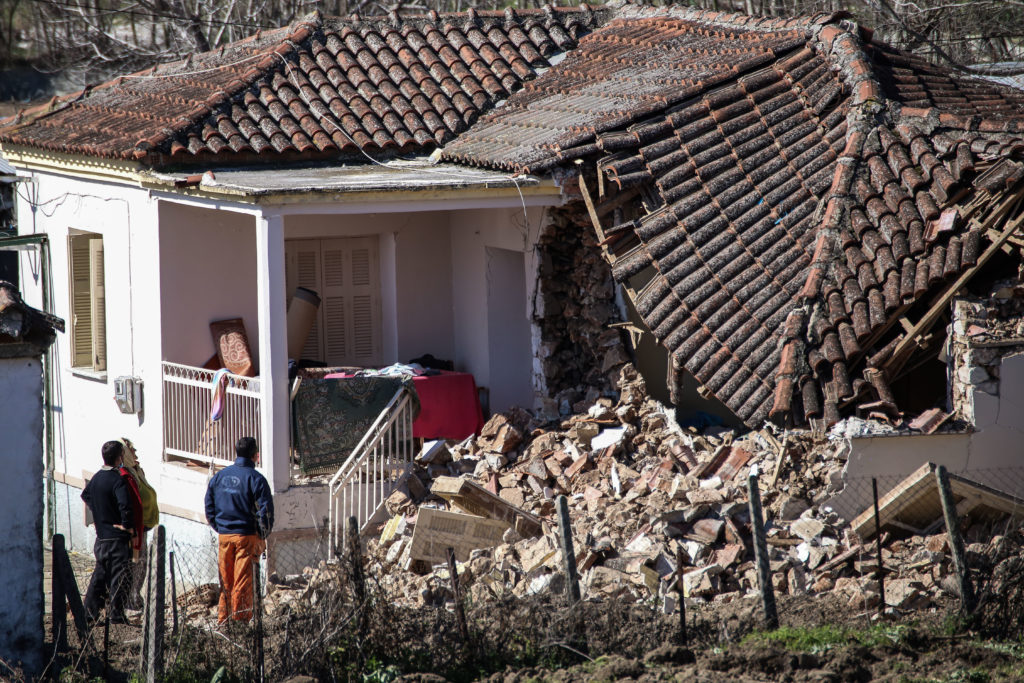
x,y
345,272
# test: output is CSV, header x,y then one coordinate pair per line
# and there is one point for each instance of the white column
x,y
273,342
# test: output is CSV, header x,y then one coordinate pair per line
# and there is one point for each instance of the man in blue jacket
x,y
240,509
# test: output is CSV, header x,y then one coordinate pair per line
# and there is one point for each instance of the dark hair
x,y
112,450
246,448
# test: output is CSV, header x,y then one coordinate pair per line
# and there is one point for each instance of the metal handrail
x,y
387,442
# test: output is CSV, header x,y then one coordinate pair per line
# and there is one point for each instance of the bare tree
x,y
95,38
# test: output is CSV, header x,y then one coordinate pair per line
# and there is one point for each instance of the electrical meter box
x,y
128,394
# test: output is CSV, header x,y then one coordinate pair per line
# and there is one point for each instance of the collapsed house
x,y
788,206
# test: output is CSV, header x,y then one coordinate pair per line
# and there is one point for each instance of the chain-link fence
x,y
345,619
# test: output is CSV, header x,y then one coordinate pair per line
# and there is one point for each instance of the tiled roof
x,y
793,178
793,174
321,88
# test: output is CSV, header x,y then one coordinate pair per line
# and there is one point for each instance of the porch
x,y
354,483
404,265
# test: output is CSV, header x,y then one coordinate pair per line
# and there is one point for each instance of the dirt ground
x,y
724,641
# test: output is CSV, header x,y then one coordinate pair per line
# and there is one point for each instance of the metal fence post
x,y
257,617
174,595
764,576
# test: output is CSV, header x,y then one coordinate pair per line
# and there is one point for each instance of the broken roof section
x,y
24,331
802,188
316,89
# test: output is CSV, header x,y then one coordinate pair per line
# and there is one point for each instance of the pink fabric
x,y
449,405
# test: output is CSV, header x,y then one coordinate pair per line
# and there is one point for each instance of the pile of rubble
x,y
643,495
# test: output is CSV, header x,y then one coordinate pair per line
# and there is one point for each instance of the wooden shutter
x,y
346,274
365,303
99,304
81,301
351,306
336,304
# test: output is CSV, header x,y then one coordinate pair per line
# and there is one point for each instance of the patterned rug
x,y
332,415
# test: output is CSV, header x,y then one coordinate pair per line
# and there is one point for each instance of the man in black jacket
x,y
108,497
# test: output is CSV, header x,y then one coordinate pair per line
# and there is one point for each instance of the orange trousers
x,y
237,556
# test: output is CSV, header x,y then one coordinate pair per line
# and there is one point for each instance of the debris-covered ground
x,y
644,494
646,498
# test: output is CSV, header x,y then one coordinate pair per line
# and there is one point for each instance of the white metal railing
x,y
376,466
188,430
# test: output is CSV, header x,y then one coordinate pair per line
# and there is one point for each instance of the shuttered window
x,y
88,302
346,274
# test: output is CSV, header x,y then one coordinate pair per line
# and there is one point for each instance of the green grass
x,y
821,638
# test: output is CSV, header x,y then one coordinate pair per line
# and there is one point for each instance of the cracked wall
x,y
579,355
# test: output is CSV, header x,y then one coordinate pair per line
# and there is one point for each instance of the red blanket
x,y
449,406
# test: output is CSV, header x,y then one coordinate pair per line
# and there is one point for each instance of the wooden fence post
x,y
878,547
355,558
154,643
69,587
460,615
956,541
572,579
764,575
683,638
58,603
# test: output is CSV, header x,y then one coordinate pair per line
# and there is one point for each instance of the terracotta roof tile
x,y
787,224
324,87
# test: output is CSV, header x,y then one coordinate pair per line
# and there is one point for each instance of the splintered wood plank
x,y
895,501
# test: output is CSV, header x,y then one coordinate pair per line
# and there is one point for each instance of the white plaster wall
x,y
472,232
509,346
84,412
207,272
21,510
423,275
